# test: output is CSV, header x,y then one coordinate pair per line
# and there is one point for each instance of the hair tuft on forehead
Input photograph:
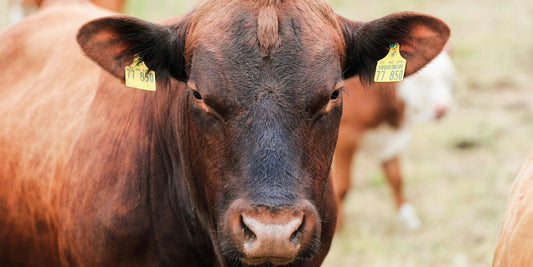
x,y
264,18
268,27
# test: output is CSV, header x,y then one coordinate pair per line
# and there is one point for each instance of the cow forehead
x,y
265,17
262,42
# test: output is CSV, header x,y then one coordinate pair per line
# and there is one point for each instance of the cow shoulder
x,y
514,246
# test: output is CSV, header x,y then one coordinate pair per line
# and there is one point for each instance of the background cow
x,y
226,163
379,121
515,242
18,9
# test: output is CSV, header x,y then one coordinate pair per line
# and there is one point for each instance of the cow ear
x,y
421,38
113,42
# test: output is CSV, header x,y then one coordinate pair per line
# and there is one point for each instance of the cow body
x,y
226,163
514,247
19,9
421,97
379,122
39,130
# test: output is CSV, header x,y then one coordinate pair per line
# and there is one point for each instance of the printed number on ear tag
x,y
391,68
137,75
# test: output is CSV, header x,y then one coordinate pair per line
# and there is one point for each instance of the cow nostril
x,y
296,236
440,111
249,235
272,235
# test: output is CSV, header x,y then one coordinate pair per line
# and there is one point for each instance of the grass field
x,y
459,171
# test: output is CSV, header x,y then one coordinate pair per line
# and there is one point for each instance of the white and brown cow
x,y
379,122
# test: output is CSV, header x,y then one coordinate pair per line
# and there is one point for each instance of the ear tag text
x,y
391,68
137,75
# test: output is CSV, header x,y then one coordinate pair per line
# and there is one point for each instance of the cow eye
x,y
335,94
197,95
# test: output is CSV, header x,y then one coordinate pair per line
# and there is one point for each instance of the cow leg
x,y
406,212
394,177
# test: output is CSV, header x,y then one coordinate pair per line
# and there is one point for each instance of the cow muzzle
x,y
273,234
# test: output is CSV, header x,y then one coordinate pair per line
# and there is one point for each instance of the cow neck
x,y
173,198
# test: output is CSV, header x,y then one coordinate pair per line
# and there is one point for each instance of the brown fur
x,y
267,28
514,247
365,107
114,5
33,213
98,174
319,14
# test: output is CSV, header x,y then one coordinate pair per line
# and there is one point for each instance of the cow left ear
x,y
113,42
421,38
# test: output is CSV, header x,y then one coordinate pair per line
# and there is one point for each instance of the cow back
x,y
45,94
514,246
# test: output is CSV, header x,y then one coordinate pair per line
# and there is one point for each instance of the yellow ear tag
x,y
391,68
137,75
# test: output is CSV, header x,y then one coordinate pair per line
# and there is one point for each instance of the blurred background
x,y
458,172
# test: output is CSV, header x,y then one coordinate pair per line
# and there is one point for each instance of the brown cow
x,y
226,163
18,9
514,247
378,120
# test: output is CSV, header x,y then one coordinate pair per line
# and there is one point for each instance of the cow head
x,y
259,90
427,95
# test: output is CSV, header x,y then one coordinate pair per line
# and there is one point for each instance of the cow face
x,y
261,109
272,101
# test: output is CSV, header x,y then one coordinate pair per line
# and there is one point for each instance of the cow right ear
x,y
113,42
421,38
